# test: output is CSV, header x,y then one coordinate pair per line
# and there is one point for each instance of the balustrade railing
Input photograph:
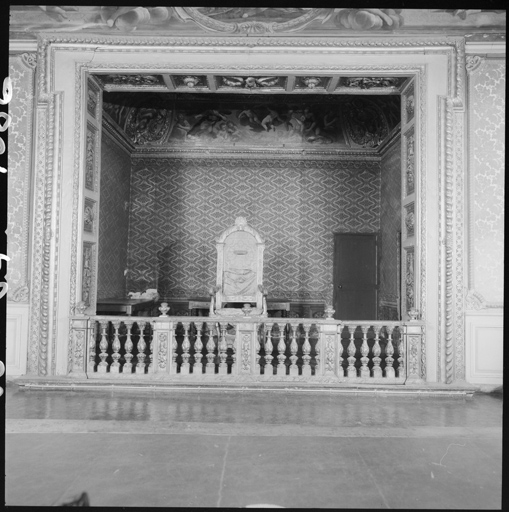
x,y
320,350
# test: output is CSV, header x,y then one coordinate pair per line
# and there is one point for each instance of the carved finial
x,y
241,222
329,312
164,308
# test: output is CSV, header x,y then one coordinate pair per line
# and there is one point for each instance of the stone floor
x,y
239,448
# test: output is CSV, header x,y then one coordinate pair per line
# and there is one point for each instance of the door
x,y
355,276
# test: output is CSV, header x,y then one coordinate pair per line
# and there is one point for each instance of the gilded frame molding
x,y
452,47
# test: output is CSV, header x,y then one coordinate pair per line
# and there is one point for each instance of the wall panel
x,y
390,228
113,218
180,206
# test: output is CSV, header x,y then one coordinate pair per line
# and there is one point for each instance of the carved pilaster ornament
x,y
41,271
448,306
246,353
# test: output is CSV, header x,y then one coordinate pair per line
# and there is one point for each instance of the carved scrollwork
x,y
410,164
87,275
329,353
251,82
246,353
79,338
311,81
29,59
409,279
409,220
163,350
366,124
191,81
473,62
232,20
413,359
371,82
89,216
474,300
20,294
410,106
90,158
135,80
148,125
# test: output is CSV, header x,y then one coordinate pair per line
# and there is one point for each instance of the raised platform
x,y
435,390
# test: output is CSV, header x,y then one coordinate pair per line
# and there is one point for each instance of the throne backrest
x,y
239,265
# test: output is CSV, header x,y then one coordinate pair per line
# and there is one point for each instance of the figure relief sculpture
x,y
239,272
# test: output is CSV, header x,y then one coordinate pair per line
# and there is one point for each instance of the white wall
x,y
485,202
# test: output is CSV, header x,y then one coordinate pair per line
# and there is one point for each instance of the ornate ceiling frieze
x,y
250,21
173,120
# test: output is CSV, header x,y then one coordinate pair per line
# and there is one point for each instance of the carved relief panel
x,y
89,216
409,214
409,162
87,221
410,220
409,280
21,108
92,98
88,272
91,157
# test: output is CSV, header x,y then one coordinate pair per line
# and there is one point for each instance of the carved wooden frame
x,y
452,47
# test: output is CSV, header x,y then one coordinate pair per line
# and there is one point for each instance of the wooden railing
x,y
247,349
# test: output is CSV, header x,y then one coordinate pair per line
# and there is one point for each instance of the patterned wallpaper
x,y
390,224
113,218
181,206
21,72
486,88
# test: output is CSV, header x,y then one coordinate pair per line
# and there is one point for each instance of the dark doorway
x,y
355,276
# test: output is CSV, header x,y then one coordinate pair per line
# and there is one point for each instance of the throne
x,y
239,289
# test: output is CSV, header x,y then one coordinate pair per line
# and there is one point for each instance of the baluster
x,y
401,358
174,347
351,370
377,371
389,351
317,352
140,366
341,371
364,351
234,352
211,367
186,345
92,347
294,369
198,347
258,349
103,345
306,350
222,348
150,347
128,366
281,348
115,365
269,370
